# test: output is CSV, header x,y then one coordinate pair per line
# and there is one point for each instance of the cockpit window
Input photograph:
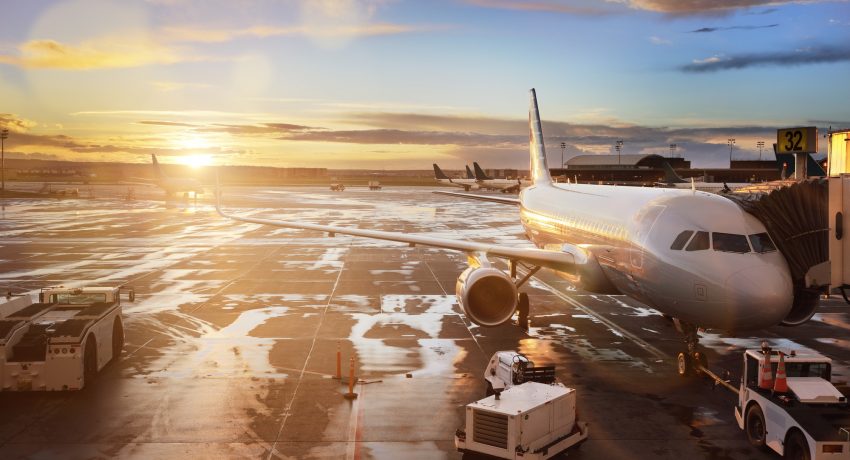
x,y
730,242
680,240
762,243
700,242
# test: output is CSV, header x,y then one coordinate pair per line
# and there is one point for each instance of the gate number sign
x,y
797,140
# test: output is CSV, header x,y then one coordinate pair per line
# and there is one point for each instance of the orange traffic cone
x,y
781,384
765,373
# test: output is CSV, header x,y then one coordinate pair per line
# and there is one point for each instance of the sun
x,y
197,160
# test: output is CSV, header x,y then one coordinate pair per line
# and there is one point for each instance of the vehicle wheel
x,y
523,306
117,337
701,361
90,361
755,426
490,391
684,365
796,447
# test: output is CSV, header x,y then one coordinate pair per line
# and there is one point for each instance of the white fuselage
x,y
465,183
503,184
630,230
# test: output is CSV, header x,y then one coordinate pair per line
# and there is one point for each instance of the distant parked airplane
x,y
171,185
467,184
673,180
504,185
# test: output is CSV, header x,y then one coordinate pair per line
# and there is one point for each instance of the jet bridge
x,y
795,214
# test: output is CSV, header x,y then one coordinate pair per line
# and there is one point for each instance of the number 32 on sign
x,y
797,140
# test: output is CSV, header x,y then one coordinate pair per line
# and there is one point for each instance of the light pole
x,y
760,145
563,147
618,147
3,135
731,143
673,150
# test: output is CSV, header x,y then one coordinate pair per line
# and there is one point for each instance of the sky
x,y
400,84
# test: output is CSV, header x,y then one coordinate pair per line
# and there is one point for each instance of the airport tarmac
x,y
232,340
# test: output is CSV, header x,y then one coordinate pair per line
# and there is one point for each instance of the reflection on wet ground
x,y
232,341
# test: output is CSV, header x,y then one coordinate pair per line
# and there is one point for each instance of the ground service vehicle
x,y
374,185
337,187
60,342
509,368
529,421
809,420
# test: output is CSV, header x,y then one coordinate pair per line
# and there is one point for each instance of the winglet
x,y
438,173
218,195
537,151
479,173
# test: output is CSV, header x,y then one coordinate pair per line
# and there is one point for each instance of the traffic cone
x,y
765,373
781,383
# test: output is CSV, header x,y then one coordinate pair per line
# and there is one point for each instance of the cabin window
x,y
681,240
700,242
729,242
762,243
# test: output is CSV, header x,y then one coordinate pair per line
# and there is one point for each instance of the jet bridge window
x,y
700,242
762,243
730,242
681,240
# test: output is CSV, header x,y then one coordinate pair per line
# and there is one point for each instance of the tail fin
x,y
438,173
156,170
537,151
469,174
479,173
670,175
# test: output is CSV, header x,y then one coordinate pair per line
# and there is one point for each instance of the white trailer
x,y
528,421
60,342
810,421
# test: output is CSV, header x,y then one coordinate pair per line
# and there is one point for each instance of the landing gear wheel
x,y
796,448
684,364
755,426
89,361
522,309
700,362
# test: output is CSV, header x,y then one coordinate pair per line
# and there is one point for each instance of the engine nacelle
x,y
806,301
488,295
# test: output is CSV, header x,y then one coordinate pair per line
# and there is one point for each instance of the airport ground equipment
x,y
337,187
62,341
509,368
809,420
528,421
374,185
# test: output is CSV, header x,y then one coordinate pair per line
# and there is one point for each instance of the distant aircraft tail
x,y
670,175
438,173
537,151
479,173
157,171
786,163
469,174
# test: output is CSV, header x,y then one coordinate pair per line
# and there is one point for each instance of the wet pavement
x,y
232,340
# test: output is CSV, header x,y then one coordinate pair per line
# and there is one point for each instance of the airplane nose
x,y
759,296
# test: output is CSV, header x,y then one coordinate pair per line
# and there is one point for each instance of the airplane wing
x,y
556,260
492,199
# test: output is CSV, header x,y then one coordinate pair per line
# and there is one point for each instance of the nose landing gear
x,y
690,361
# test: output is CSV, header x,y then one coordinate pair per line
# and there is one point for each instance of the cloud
x,y
209,35
703,7
659,41
716,29
167,123
816,55
568,7
169,86
105,52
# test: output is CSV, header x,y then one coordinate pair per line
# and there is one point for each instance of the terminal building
x,y
649,168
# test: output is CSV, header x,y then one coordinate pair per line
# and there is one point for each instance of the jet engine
x,y
488,295
803,308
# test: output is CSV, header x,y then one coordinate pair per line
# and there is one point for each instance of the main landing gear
x,y
691,361
522,304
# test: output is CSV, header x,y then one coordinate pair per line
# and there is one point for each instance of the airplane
x,y
175,185
468,184
672,179
693,256
788,164
504,185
